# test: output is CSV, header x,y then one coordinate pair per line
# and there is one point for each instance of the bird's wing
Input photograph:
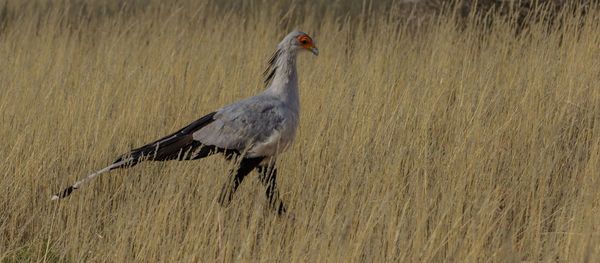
x,y
168,147
243,124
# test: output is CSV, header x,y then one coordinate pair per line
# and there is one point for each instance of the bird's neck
x,y
285,79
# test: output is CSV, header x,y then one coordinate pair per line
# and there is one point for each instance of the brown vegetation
x,y
458,140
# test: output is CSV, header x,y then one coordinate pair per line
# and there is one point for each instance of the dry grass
x,y
446,143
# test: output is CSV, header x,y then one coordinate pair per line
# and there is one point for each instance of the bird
x,y
252,131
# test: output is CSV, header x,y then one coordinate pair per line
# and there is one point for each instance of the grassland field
x,y
463,139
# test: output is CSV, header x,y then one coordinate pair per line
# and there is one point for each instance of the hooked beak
x,y
314,50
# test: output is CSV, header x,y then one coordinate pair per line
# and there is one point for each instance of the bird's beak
x,y
315,50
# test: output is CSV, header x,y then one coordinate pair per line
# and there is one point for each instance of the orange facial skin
x,y
305,42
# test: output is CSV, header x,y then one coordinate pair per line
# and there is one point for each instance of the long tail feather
x,y
179,145
69,190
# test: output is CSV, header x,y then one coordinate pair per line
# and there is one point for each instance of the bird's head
x,y
300,41
294,42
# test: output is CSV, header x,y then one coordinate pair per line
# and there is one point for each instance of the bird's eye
x,y
304,40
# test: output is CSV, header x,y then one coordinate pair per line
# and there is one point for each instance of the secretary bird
x,y
252,131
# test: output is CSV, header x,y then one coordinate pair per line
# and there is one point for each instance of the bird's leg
x,y
236,178
268,177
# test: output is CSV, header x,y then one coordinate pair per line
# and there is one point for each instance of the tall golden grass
x,y
460,140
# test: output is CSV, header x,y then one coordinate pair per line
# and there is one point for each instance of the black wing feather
x,y
169,147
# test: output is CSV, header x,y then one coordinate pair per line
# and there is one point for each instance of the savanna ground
x,y
463,138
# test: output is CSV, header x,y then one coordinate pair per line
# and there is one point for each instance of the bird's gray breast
x,y
262,125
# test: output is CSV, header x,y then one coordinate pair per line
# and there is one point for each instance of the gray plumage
x,y
261,125
266,123
257,128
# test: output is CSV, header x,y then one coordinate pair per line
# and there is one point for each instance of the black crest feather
x,y
271,68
